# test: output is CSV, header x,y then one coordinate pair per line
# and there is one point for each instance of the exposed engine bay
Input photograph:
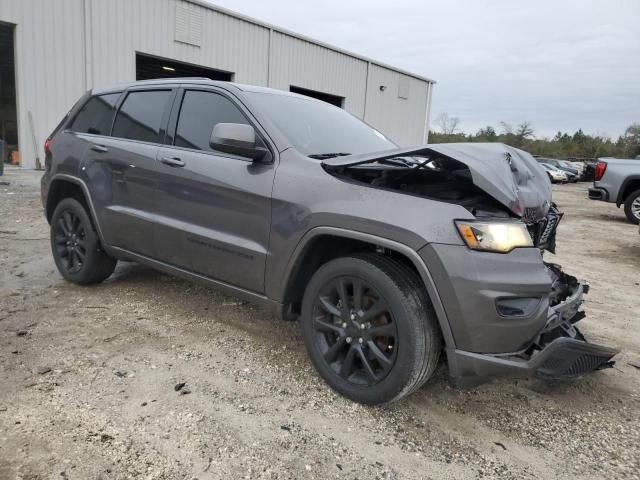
x,y
444,179
446,182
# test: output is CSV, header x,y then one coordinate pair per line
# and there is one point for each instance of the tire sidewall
x,y
399,375
91,239
627,207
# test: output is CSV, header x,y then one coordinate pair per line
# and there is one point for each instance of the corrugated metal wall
x,y
402,119
120,28
53,39
49,49
304,64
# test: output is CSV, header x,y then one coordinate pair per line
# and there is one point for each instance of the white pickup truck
x,y
618,181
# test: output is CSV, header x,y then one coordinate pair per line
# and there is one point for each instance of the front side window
x,y
96,115
140,117
199,113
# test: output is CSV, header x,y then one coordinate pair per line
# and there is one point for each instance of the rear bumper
x,y
559,351
596,193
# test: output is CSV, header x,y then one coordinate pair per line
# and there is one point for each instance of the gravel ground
x,y
88,379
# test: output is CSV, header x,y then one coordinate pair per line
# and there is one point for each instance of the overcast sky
x,y
559,64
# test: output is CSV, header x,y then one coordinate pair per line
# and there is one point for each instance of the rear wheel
x,y
369,328
632,207
75,245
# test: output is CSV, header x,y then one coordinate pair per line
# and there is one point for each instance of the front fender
x,y
400,248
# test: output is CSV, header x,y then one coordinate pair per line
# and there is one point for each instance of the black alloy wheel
x,y
369,327
70,241
76,247
355,330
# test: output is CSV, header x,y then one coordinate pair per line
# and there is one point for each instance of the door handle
x,y
172,162
99,148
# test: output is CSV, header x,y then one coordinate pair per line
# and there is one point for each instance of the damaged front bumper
x,y
559,350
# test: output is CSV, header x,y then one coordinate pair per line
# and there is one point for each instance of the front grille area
x,y
543,233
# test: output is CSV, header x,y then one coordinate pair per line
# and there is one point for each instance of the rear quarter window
x,y
96,115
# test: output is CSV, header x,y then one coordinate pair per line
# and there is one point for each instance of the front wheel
x,y
632,207
369,328
75,245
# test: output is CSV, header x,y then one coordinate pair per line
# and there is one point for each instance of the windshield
x,y
317,128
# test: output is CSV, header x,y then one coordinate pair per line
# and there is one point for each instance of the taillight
x,y
47,142
600,169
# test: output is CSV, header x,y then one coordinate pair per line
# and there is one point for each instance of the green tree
x,y
487,134
631,140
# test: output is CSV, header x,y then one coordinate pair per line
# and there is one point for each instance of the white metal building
x,y
59,49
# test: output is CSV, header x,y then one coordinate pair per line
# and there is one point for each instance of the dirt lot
x,y
87,379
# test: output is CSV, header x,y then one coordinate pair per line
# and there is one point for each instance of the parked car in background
x,y
618,181
571,177
555,175
559,165
579,166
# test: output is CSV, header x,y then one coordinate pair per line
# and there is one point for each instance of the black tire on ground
x,y
400,347
632,207
76,247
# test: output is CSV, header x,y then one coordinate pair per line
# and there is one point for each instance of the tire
x,y
76,247
632,207
405,334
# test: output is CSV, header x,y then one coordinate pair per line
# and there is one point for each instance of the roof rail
x,y
172,79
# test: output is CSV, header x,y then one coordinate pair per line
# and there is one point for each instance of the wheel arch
x,y
321,244
630,184
65,186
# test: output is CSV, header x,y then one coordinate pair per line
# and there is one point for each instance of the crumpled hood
x,y
509,175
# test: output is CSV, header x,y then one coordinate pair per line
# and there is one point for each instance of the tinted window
x,y
315,127
96,115
140,116
199,113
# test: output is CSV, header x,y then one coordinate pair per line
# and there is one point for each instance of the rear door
x,y
215,207
121,169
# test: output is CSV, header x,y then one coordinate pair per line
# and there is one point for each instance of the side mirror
x,y
237,139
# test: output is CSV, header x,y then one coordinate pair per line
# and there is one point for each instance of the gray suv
x,y
387,256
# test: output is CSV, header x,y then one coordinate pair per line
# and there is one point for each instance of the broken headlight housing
x,y
500,237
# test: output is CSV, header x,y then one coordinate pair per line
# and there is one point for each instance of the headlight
x,y
494,236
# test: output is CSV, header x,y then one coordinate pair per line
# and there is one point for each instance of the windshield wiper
x,y
324,156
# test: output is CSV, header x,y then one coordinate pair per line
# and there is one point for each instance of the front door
x,y
214,209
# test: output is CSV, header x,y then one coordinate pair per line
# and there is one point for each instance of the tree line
x,y
563,145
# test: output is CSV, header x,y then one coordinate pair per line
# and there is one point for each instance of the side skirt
x,y
270,306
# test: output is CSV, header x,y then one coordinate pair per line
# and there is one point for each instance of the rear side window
x,y
140,117
199,113
96,115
